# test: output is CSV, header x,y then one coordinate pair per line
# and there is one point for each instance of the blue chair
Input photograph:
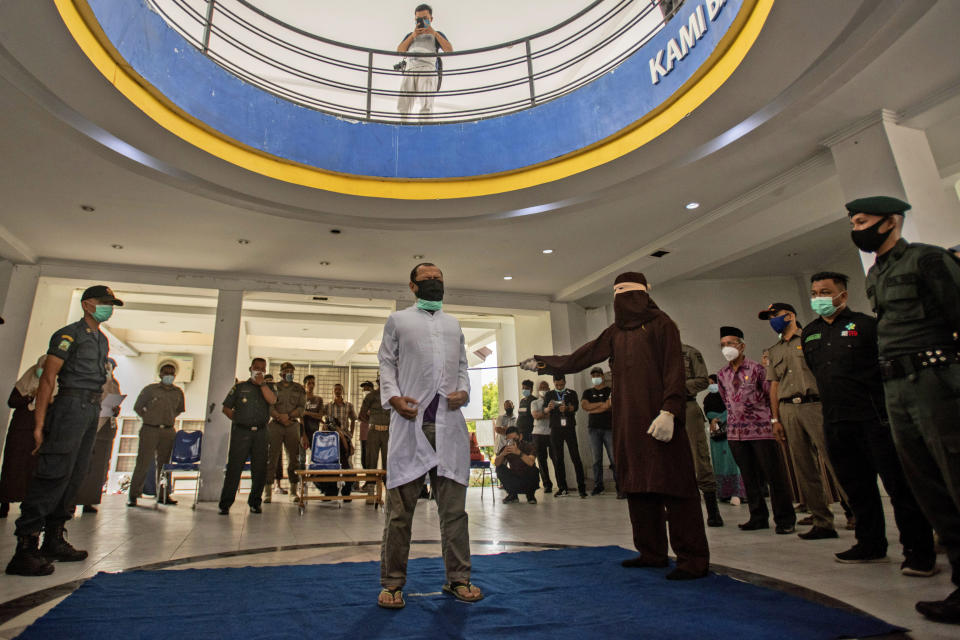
x,y
185,457
324,451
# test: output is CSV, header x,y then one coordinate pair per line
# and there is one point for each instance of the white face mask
x,y
541,393
730,353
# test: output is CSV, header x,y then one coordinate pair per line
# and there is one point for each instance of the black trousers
x,y
544,455
62,462
859,452
558,437
244,443
524,479
760,463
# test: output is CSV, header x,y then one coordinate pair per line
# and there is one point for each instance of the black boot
x,y
4,509
56,547
713,511
28,561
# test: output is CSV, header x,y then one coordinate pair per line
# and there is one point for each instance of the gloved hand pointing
x,y
662,427
530,364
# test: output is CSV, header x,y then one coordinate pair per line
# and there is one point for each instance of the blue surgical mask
x,y
429,305
288,377
596,381
779,324
713,388
103,312
823,306
527,393
167,380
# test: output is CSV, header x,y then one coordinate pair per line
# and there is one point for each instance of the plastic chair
x,y
484,466
185,457
325,451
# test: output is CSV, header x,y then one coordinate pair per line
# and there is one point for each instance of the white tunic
x,y
422,355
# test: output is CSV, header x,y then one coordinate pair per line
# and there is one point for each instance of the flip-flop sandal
x,y
394,603
461,591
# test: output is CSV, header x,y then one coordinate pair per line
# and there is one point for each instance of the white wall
x,y
134,374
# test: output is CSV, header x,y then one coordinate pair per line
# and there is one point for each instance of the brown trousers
x,y
156,443
377,442
454,533
650,513
808,447
282,437
700,448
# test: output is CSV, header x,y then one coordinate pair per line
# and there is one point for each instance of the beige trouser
x,y
376,449
417,85
155,444
454,534
699,447
806,439
282,437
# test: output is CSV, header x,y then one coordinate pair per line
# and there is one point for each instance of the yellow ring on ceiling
x,y
729,53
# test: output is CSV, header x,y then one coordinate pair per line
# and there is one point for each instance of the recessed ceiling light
x,y
243,241
793,254
692,205
324,263
418,257
548,250
508,277
87,208
117,246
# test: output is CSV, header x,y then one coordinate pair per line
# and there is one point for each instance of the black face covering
x,y
431,290
509,411
632,308
870,239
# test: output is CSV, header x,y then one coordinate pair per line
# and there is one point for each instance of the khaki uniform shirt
x,y
159,404
788,368
372,405
695,371
291,399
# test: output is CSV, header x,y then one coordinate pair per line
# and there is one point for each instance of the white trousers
x,y
417,85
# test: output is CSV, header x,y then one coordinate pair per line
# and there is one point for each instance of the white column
x,y
16,308
223,366
885,158
508,381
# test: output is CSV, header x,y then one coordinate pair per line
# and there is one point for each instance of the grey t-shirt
x,y
541,426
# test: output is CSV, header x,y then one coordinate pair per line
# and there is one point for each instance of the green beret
x,y
877,206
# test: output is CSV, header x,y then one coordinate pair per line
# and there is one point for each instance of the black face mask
x,y
431,290
870,239
509,411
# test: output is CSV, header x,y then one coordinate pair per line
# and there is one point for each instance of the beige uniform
x,y
291,400
802,418
158,406
695,375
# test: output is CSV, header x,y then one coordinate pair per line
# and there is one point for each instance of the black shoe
x,y
583,494
224,512
560,493
753,525
89,508
56,547
713,510
424,493
596,491
132,502
919,567
27,561
531,499
680,574
640,563
783,529
819,533
858,554
548,489
947,610
169,501
511,498
255,509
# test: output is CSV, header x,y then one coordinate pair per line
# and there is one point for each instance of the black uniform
x,y
915,292
248,438
525,418
69,430
563,430
843,357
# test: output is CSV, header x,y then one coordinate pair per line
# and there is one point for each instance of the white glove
x,y
662,427
530,364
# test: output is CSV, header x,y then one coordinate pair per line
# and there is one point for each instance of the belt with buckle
x,y
380,427
908,365
88,394
801,399
249,427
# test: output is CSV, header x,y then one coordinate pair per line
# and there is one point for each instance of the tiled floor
x,y
120,538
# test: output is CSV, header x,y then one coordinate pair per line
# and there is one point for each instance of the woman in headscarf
x,y
652,456
18,461
729,483
90,491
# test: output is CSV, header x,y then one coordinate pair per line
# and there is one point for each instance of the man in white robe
x,y
423,380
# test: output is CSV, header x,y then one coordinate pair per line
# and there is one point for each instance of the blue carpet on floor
x,y
570,593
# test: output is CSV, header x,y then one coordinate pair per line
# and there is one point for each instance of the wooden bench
x,y
356,476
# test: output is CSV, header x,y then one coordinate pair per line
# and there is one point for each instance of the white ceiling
x,y
750,155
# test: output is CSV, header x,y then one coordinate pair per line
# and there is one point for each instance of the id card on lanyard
x,y
560,396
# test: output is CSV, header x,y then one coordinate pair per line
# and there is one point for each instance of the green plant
x,y
491,401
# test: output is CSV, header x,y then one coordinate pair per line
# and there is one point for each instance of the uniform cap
x,y
287,365
102,293
731,331
772,310
366,383
877,206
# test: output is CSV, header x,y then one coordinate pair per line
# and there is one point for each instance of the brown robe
x,y
648,376
18,461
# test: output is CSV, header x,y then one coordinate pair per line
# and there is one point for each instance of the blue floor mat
x,y
579,594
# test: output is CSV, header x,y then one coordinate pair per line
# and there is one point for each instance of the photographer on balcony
x,y
421,74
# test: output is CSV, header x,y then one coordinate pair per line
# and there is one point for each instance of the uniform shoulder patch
x,y
812,336
66,340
